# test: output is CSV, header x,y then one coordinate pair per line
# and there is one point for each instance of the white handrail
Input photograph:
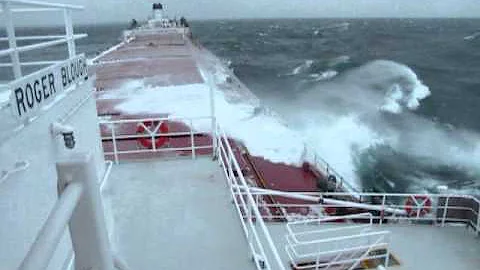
x,y
26,38
111,126
388,203
365,255
40,45
44,4
225,152
20,10
329,170
48,238
79,200
14,50
348,240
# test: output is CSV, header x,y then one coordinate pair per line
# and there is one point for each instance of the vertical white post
x,y
384,199
212,113
67,15
12,40
445,210
87,224
153,133
114,141
192,139
387,259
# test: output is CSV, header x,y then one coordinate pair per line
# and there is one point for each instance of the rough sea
x,y
393,104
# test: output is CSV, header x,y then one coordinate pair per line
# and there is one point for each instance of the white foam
x,y
392,98
419,93
326,75
334,139
406,92
391,106
301,68
262,133
472,36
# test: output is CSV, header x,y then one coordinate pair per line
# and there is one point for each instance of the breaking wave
x,y
369,108
326,75
301,68
396,85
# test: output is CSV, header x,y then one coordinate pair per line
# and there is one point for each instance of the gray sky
x,y
102,11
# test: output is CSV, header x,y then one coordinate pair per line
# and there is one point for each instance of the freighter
x,y
132,163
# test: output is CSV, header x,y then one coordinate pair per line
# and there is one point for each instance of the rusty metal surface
x,y
149,59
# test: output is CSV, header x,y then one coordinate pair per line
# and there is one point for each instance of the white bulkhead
x,y
28,153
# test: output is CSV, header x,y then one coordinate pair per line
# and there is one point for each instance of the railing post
x,y
67,15
192,139
382,213
445,209
387,258
114,141
87,224
12,40
211,84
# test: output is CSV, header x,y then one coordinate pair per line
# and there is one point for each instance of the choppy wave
x,y
373,120
301,68
399,86
346,119
472,36
326,75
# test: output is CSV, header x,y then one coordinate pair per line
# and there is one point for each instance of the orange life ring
x,y
147,141
418,205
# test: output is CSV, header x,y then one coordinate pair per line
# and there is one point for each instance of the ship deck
x,y
417,247
169,220
164,219
159,61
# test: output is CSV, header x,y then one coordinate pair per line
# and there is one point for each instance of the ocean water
x,y
392,104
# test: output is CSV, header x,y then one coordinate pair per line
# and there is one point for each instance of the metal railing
x,y
79,200
309,247
328,170
10,7
254,228
151,133
437,209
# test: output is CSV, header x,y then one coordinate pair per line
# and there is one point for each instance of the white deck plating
x,y
175,215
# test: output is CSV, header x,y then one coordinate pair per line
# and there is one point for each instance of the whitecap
x,y
301,68
326,75
472,36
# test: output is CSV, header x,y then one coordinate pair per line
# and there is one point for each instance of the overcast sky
x,y
103,11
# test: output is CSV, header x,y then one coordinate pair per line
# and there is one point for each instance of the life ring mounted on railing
x,y
149,128
418,205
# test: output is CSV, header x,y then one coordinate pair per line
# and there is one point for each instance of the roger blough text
x,y
36,91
